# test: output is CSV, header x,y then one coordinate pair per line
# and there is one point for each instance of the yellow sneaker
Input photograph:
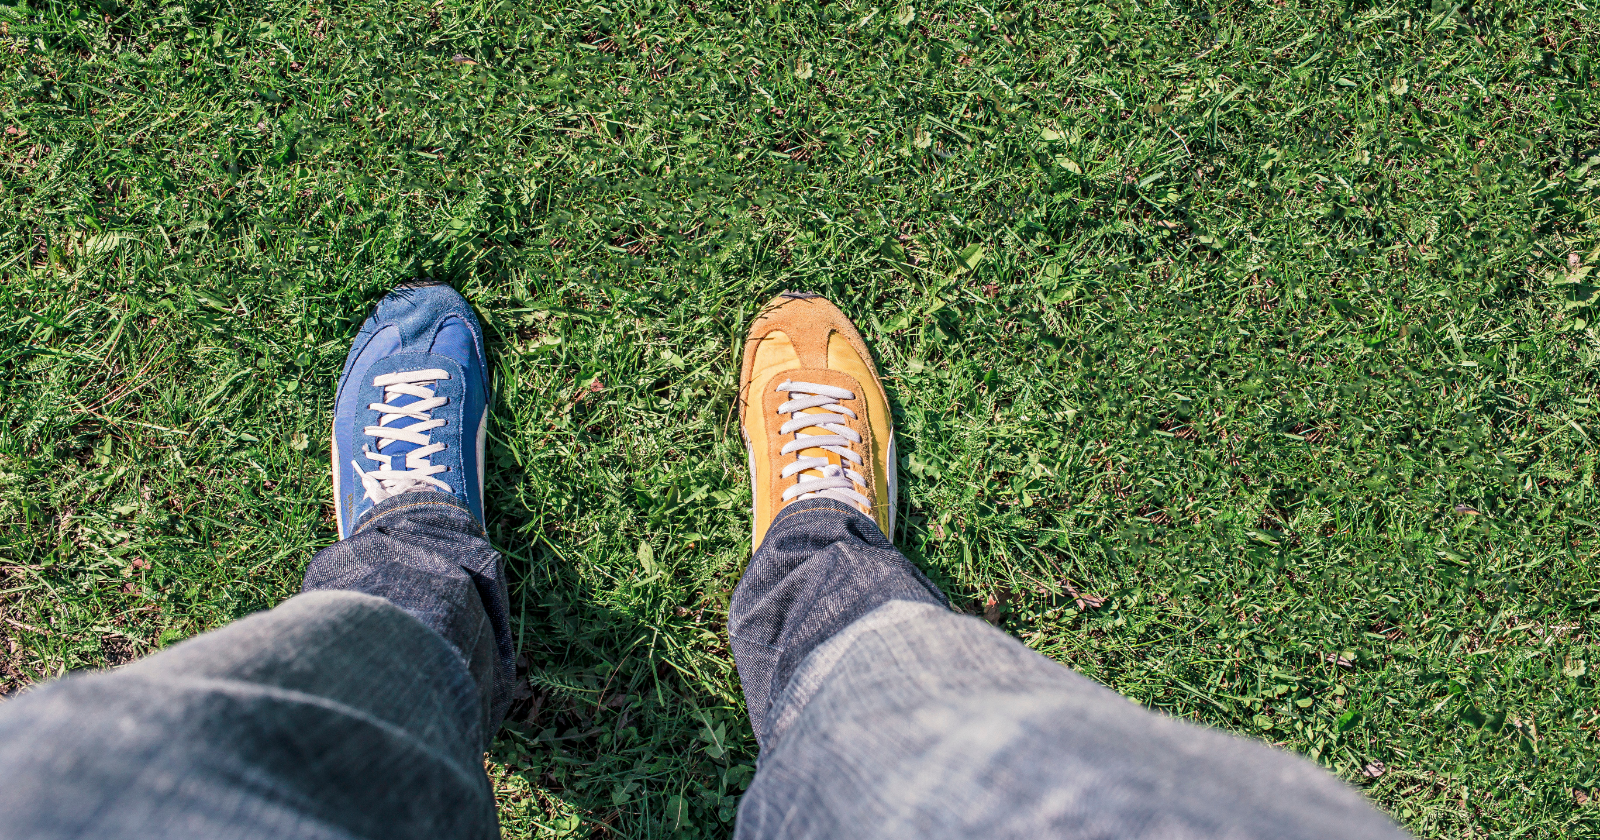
x,y
814,415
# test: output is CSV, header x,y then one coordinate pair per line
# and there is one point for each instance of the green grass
x,y
1269,322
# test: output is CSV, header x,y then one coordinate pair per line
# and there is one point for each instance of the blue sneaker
x,y
413,404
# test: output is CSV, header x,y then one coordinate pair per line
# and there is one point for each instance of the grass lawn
x,y
1269,323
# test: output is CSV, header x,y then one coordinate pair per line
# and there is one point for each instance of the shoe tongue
x,y
816,451
453,340
398,449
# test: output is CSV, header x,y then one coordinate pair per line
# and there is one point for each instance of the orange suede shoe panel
x,y
769,358
807,339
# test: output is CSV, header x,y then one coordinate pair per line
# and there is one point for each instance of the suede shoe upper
x,y
412,405
814,414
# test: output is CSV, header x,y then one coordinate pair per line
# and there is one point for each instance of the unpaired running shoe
x,y
814,414
413,404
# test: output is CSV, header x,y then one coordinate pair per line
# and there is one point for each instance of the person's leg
x,y
360,708
427,555
335,715
914,721
880,713
822,566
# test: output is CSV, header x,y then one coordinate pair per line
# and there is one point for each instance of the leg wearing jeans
x,y
882,714
359,709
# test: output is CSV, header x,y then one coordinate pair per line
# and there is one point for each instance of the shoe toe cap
x,y
430,318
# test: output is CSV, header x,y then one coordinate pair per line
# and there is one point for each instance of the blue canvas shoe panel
x,y
428,433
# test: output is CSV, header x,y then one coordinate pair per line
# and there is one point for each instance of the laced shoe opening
x,y
388,481
820,477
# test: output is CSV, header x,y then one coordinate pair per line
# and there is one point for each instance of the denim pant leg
x,y
425,553
822,565
337,714
902,719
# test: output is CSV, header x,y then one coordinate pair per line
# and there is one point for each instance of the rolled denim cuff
x,y
417,502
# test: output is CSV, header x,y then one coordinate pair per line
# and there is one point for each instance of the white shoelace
x,y
386,481
827,480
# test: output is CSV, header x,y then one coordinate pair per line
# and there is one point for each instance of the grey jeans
x,y
881,713
358,709
361,709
